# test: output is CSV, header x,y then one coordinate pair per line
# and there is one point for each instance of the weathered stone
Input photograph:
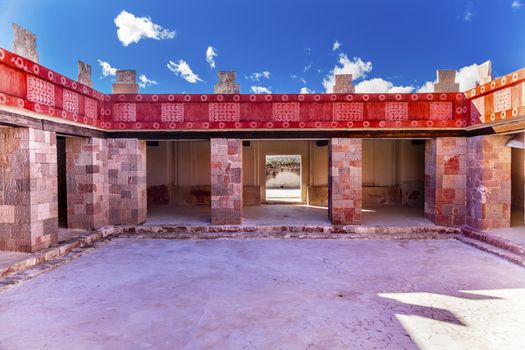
x,y
84,73
445,171
24,43
126,82
345,181
446,81
227,83
343,84
226,181
485,72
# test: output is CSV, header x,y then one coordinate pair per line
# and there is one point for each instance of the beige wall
x,y
314,162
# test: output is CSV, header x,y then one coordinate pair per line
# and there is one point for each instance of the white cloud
x,y
467,16
379,85
144,81
106,69
516,4
467,78
258,75
260,90
183,69
293,76
357,67
132,29
305,90
308,50
303,80
336,45
307,68
211,52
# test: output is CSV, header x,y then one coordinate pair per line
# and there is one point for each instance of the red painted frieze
x,y
31,86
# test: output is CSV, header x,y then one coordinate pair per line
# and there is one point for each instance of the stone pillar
x,y
126,82
345,190
227,83
84,74
28,191
87,199
484,73
488,182
127,181
24,43
445,180
343,84
446,81
226,181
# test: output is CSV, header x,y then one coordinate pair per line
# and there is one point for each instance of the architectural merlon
x,y
84,74
446,81
343,84
227,83
24,43
485,73
126,82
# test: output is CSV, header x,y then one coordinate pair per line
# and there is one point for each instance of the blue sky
x,y
390,45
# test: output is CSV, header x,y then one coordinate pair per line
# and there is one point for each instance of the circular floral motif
x,y
236,98
171,98
398,97
187,98
107,111
268,98
514,76
138,98
286,125
3,99
302,124
172,125
253,125
2,55
221,125
366,97
459,110
349,97
121,97
36,69
19,62
317,97
492,117
413,123
50,75
300,97
37,107
492,85
107,125
382,97
317,124
63,80
514,112
382,124
121,125
503,81
443,97
220,98
366,123
503,114
414,97
284,97
430,123
333,97
269,125
75,117
482,89
189,125
430,97
237,125
50,110
253,98
138,125
63,114
459,96
85,90
20,102
107,98
74,85
350,124
334,124
156,125
204,98
155,98
459,123
85,120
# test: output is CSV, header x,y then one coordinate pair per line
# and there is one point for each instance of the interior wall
x,y
517,185
393,172
178,173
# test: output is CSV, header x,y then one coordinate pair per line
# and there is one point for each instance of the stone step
x,y
489,248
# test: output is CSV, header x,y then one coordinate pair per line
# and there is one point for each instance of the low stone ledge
x,y
494,240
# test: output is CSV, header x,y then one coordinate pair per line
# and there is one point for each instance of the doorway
x,y
62,182
283,178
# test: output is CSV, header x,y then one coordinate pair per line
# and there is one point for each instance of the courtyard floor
x,y
270,294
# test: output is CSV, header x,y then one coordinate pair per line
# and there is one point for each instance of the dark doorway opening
x,y
62,182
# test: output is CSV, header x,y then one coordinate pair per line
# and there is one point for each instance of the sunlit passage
x,y
283,179
470,319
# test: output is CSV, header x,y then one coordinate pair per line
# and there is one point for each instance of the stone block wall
x,y
127,181
345,181
87,199
226,181
445,180
28,189
488,182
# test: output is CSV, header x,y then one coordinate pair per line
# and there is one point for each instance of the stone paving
x,y
270,294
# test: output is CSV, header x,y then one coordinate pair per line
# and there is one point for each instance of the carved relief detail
x,y
348,111
224,112
70,101
396,111
40,91
172,112
502,100
441,111
124,112
91,110
286,112
477,108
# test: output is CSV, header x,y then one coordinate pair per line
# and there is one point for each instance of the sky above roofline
x,y
275,46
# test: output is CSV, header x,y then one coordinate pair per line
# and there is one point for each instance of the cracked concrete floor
x,y
270,294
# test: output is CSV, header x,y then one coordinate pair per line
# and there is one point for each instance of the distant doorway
x,y
283,179
62,182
